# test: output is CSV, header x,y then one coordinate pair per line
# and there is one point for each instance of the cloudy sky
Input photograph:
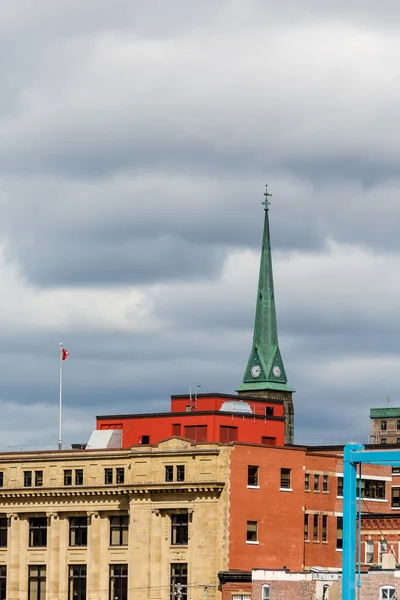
x,y
136,140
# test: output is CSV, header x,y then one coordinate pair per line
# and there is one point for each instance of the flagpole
x,y
60,411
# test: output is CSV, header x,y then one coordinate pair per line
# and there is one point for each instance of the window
x,y
3,582
68,477
79,477
383,548
37,531
383,440
307,482
383,425
395,470
145,439
265,592
178,581
339,533
176,429
3,532
78,531
370,488
324,532
1,478
268,441
198,433
396,497
119,529
227,434
241,597
397,440
27,478
269,411
315,528
285,479
169,473
118,582
388,591
369,552
179,529
37,582
180,472
77,582
251,535
252,476
108,476
120,475
316,483
306,533
325,483
38,478
398,424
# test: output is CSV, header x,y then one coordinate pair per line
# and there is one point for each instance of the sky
x,y
136,142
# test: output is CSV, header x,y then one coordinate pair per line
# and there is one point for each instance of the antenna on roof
x,y
388,400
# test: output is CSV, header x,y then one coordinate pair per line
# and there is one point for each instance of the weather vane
x,y
266,203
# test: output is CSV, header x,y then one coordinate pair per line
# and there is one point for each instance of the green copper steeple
x,y
265,370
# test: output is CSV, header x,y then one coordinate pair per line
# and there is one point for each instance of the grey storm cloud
x,y
137,139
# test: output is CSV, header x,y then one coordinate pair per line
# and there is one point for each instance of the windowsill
x,y
315,541
109,547
326,542
325,492
183,546
307,491
306,541
252,543
37,547
317,491
339,549
285,489
253,487
367,499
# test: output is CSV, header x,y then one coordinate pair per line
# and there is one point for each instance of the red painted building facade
x,y
204,418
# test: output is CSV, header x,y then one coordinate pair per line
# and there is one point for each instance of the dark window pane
x,y
68,477
169,473
120,475
78,476
179,529
78,531
38,478
3,582
119,527
252,475
180,473
38,531
37,582
118,585
179,581
27,478
3,532
77,582
108,476
285,478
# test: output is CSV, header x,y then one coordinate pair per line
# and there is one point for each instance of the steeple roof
x,y
265,370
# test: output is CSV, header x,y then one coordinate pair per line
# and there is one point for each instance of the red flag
x,y
64,354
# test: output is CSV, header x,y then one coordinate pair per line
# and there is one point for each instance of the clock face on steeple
x,y
276,371
255,371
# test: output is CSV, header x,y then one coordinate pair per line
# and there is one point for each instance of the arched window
x,y
388,592
265,593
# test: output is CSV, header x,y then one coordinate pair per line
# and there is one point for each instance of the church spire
x,y
265,370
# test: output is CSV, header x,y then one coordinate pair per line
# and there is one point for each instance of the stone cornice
x,y
127,490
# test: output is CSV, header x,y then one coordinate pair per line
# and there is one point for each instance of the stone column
x,y
155,554
53,561
13,557
94,555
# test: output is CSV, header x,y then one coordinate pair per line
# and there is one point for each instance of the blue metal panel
x,y
353,455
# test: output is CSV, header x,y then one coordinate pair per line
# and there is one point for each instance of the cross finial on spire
x,y
266,203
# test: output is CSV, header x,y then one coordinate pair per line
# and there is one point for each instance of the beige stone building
x,y
145,523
